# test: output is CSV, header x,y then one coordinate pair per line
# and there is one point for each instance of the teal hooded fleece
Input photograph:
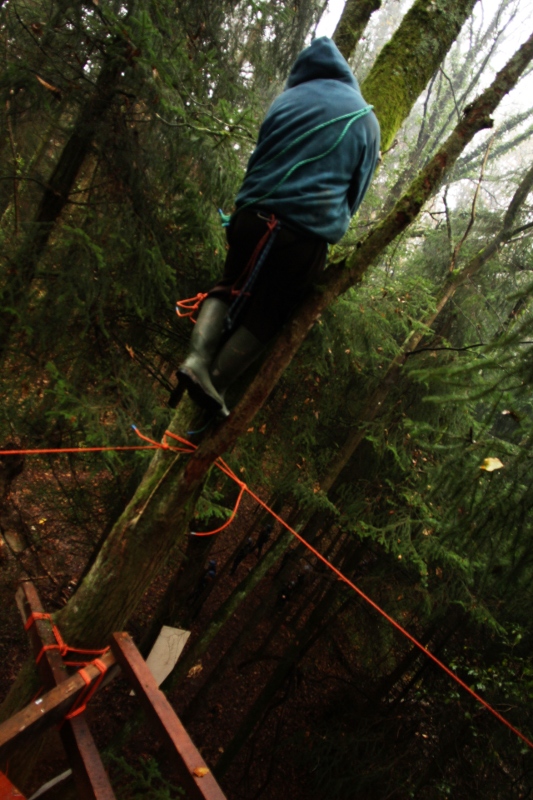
x,y
321,195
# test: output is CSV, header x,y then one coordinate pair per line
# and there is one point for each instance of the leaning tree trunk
x,y
353,21
161,509
320,618
158,515
54,199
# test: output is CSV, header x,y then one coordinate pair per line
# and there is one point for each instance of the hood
x,y
322,59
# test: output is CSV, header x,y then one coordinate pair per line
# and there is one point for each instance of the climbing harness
x,y
187,308
252,270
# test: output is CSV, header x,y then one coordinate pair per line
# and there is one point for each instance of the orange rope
x,y
86,695
60,645
75,450
221,464
190,306
63,648
229,472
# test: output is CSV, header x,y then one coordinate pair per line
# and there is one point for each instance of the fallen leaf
x,y
200,771
194,671
491,464
48,85
131,351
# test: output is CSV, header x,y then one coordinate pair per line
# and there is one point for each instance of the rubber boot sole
x,y
198,393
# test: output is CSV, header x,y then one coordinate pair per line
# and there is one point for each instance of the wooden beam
x,y
48,710
198,781
91,778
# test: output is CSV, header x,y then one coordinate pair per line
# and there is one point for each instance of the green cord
x,y
352,117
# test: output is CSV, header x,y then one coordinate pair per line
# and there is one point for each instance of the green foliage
x,y
138,782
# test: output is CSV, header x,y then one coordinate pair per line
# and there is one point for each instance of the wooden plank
x,y
51,668
91,778
165,722
7,790
47,711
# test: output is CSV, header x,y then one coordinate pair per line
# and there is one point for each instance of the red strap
x,y
271,224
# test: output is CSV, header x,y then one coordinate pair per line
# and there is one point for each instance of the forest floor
x,y
54,553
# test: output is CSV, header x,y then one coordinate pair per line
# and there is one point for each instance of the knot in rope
x,y
190,306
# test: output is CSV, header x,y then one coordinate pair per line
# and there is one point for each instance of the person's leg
x,y
241,349
292,265
244,232
194,373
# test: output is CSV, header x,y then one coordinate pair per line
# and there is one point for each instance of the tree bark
x,y
406,63
54,199
353,21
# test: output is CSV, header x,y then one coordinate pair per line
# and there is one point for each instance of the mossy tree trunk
x,y
354,19
54,198
406,64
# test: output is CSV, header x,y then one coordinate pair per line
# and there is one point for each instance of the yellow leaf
x,y
131,351
200,771
48,85
194,671
491,464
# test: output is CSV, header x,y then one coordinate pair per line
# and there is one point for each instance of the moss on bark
x,y
352,23
406,64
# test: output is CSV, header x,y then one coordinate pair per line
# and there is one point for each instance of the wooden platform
x,y
64,691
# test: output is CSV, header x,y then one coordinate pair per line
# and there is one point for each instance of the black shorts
x,y
294,261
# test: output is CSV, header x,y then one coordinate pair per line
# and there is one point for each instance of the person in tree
x,y
264,535
315,156
241,554
208,577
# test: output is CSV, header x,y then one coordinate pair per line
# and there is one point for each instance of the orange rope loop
x,y
190,306
228,522
86,695
60,644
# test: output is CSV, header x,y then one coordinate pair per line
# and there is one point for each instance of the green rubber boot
x,y
194,374
235,356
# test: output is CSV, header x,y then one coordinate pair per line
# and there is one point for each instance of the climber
x,y
264,535
315,156
241,554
